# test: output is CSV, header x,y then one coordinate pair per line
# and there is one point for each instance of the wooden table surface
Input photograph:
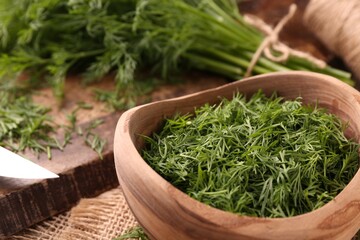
x,y
82,173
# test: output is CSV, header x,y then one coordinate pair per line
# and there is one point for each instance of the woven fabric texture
x,y
102,218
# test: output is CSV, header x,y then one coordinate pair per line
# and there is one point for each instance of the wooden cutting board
x,y
82,173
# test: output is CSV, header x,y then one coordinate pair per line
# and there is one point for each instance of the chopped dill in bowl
x,y
263,157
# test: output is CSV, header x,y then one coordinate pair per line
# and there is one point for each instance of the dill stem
x,y
304,66
223,27
236,60
344,76
214,65
236,28
272,66
87,54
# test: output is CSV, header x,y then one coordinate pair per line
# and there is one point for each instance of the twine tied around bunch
x,y
272,43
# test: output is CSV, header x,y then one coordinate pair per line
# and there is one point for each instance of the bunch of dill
x,y
50,38
263,157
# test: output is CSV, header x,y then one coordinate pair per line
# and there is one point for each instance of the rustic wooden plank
x,y
82,174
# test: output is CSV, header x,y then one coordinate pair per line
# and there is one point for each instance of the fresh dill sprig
x,y
93,140
128,97
72,117
262,157
134,233
25,125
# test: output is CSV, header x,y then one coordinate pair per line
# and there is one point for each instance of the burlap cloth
x,y
102,218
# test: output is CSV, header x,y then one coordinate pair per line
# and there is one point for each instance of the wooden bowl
x,y
167,213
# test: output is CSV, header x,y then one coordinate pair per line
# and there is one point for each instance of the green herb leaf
x,y
134,233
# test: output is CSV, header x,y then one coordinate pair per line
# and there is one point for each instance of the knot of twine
x,y
271,42
337,24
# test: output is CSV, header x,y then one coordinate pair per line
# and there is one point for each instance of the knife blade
x,y
14,166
